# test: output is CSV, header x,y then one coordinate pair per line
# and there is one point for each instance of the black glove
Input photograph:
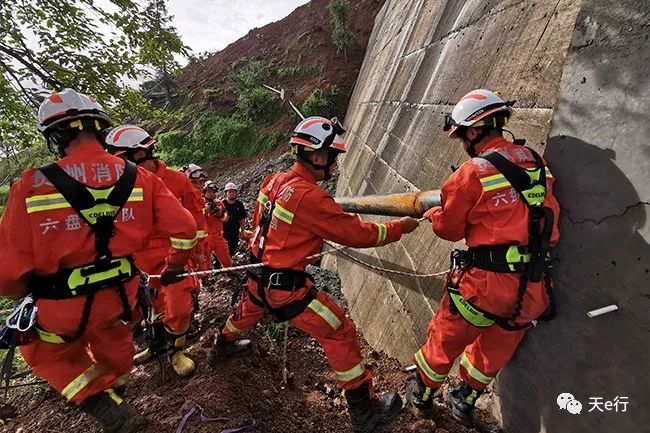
x,y
170,275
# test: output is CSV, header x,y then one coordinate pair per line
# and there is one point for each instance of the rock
x,y
441,430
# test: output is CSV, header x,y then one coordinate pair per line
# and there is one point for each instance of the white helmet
x,y
63,115
479,107
231,185
129,137
66,106
210,184
318,133
195,172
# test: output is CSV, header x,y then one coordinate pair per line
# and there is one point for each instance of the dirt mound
x,y
303,38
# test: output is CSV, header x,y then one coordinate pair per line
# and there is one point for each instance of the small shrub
x,y
250,76
321,103
214,136
258,105
342,36
299,71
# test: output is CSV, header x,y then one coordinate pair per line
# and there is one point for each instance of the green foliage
x,y
245,78
258,105
4,194
299,71
275,333
321,103
83,44
342,36
14,162
254,102
214,136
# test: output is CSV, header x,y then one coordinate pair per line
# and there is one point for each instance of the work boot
x,y
182,365
420,396
461,401
115,415
156,344
369,411
222,349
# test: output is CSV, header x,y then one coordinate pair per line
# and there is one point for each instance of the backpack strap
x,y
97,207
521,179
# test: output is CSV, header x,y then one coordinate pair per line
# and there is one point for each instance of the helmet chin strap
x,y
149,156
471,144
331,159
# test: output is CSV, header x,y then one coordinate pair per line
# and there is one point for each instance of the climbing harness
x,y
98,208
531,261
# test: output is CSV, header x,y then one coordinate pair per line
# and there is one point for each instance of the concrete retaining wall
x,y
580,73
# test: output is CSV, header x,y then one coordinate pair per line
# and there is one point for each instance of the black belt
x,y
280,279
497,258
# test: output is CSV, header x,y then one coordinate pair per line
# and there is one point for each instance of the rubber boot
x,y
461,401
115,415
222,350
420,396
368,412
156,343
182,365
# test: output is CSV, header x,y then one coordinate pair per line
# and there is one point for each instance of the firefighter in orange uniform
x,y
293,216
201,257
501,203
173,301
215,216
68,241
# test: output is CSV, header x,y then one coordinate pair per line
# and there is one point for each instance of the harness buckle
x,y
274,279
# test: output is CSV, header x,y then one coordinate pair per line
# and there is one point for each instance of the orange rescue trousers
x,y
322,319
90,364
219,246
174,300
486,350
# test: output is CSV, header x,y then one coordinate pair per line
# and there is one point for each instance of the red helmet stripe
x,y
123,130
55,98
312,122
478,96
299,140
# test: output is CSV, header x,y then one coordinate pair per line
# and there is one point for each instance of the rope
x,y
336,248
385,270
247,424
245,267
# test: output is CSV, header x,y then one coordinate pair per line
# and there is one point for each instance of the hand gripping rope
x,y
336,248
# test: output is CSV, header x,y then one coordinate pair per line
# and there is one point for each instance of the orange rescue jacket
x,y
304,215
40,233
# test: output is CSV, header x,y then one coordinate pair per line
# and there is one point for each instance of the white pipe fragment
x,y
600,311
411,368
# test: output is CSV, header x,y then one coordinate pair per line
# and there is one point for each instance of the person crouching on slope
x,y
293,216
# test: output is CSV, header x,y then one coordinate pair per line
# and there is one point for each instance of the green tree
x,y
342,36
83,44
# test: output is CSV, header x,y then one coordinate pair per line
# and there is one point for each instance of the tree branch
x,y
17,55
27,96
